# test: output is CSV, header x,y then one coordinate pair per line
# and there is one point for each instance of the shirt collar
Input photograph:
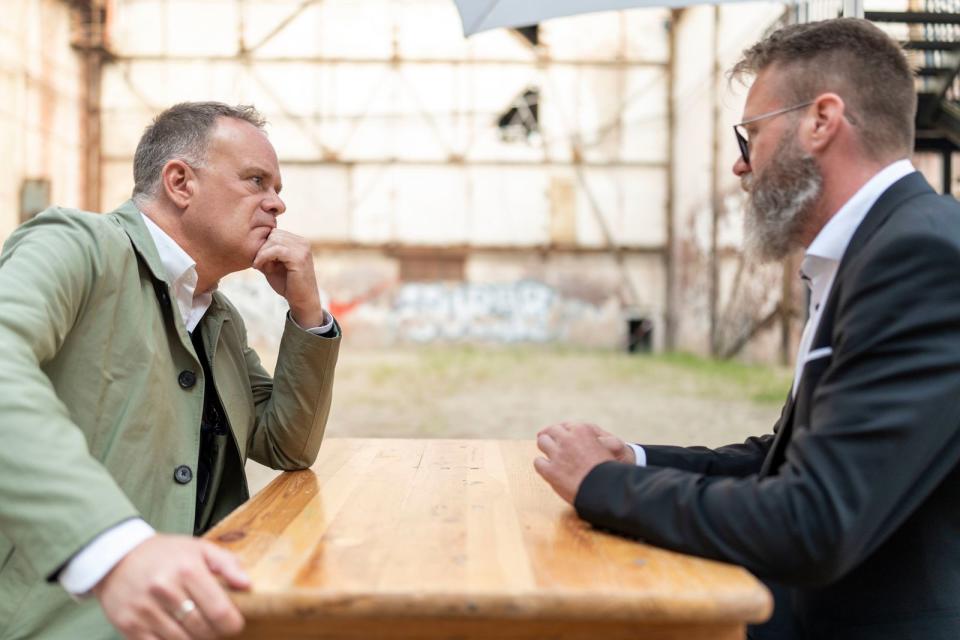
x,y
176,262
831,243
181,272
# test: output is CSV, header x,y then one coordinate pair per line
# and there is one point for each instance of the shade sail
x,y
480,15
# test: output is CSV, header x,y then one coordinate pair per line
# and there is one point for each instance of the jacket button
x,y
162,296
187,379
182,474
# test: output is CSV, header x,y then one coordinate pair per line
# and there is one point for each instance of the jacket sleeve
x,y
292,407
884,433
54,496
732,460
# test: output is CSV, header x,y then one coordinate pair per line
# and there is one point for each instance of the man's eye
x,y
258,180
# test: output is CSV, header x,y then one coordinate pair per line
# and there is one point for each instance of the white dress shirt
x,y
822,259
95,560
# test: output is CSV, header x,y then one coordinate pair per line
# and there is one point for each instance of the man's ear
x,y
828,110
179,182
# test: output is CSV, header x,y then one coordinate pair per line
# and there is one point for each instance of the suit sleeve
x,y
54,496
293,406
883,435
736,460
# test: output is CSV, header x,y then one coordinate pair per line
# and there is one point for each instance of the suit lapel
x,y
909,186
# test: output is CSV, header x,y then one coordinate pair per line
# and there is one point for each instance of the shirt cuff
x,y
95,560
639,453
323,328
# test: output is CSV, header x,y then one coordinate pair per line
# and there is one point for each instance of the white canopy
x,y
480,15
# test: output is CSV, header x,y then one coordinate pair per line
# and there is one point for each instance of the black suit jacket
x,y
854,501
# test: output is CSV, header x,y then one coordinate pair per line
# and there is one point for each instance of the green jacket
x,y
92,418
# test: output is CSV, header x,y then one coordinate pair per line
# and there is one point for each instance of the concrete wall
x,y
40,110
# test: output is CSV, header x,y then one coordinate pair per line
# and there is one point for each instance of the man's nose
x,y
740,168
275,205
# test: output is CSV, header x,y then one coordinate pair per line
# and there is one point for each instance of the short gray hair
x,y
181,132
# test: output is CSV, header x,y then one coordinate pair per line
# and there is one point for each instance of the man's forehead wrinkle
x,y
243,149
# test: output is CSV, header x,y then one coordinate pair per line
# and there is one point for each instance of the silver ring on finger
x,y
186,607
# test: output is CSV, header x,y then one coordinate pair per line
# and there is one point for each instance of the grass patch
x,y
762,384
451,368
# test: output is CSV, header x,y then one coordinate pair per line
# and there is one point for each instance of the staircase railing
x,y
930,32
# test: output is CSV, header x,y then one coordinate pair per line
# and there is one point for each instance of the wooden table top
x,y
454,531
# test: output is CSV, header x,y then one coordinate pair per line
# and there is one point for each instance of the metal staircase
x,y
931,35
929,30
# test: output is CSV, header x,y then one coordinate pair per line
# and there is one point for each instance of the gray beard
x,y
781,201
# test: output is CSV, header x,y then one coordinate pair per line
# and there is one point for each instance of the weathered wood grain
x,y
461,539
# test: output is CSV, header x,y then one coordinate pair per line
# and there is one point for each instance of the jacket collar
x,y
130,220
911,185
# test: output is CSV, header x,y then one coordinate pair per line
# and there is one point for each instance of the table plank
x,y
443,538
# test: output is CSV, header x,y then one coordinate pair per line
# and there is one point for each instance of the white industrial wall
x,y
40,98
384,116
707,35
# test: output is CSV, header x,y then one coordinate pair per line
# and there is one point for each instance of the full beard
x,y
781,201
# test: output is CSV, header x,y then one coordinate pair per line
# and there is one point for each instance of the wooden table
x,y
461,539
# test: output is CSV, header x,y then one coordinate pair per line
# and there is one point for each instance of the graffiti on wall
x,y
424,312
498,312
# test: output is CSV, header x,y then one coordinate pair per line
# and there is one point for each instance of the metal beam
x,y
89,39
670,255
467,163
403,248
913,17
335,60
947,172
280,26
931,45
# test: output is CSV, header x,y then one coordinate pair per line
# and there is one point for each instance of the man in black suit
x,y
851,508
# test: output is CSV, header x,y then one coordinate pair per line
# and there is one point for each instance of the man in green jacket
x,y
129,398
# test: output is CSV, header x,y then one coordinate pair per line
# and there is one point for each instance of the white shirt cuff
x,y
322,329
639,453
95,560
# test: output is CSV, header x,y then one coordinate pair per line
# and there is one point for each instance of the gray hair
x,y
181,132
856,60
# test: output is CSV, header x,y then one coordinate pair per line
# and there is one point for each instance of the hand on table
x,y
572,450
148,594
287,262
